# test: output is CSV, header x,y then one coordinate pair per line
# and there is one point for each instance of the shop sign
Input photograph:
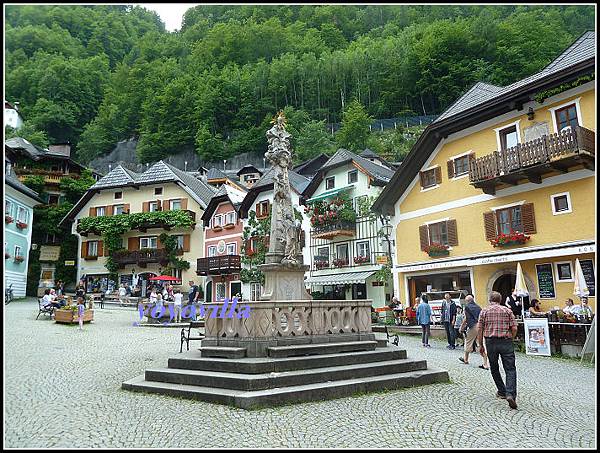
x,y
49,253
381,259
545,278
69,263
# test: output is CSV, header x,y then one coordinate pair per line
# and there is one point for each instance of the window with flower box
x,y
436,238
509,225
217,221
363,252
341,255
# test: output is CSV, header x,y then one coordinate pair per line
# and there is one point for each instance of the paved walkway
x,y
63,389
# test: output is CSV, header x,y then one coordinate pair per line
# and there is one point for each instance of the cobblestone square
x,y
63,389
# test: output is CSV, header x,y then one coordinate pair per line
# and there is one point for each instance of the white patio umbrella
x,y
521,288
581,289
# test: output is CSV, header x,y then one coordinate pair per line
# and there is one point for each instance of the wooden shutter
x,y
528,218
186,242
145,206
133,244
100,248
167,205
159,205
450,169
92,212
184,203
109,210
451,229
159,245
489,223
421,180
438,175
423,236
83,249
126,208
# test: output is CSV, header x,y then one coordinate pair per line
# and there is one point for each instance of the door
x,y
208,292
359,291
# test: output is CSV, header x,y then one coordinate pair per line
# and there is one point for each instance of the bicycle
x,y
8,295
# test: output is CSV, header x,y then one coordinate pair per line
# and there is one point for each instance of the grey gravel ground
x,y
63,389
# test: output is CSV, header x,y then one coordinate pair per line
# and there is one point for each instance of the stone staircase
x,y
290,374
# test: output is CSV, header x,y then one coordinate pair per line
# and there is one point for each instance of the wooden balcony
x,y
219,265
51,178
140,257
161,224
331,230
531,160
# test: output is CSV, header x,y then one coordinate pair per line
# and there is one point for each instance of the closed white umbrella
x,y
581,289
521,288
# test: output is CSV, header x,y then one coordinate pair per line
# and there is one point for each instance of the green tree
x,y
29,133
354,133
74,188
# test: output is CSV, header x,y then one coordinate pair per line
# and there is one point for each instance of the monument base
x,y
284,281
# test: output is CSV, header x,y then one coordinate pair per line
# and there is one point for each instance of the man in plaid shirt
x,y
498,326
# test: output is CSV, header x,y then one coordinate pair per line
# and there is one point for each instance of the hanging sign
x,y
381,259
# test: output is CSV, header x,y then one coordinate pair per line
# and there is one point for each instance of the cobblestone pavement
x,y
63,389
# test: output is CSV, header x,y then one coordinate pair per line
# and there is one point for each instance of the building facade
x,y
152,197
348,248
12,116
506,175
19,201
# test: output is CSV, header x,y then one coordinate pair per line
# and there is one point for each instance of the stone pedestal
x,y
284,281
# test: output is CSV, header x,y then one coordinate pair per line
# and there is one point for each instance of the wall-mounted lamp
x,y
530,114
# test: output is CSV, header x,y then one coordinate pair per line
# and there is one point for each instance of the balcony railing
x,y
331,230
330,262
161,224
531,159
219,265
140,257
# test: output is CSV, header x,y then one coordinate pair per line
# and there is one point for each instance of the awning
x,y
329,193
339,279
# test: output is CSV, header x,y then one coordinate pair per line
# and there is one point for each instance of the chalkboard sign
x,y
587,266
127,279
545,281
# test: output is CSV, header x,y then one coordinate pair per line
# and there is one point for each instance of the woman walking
x,y
424,319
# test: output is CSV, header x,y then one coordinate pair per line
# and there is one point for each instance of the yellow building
x,y
518,158
158,191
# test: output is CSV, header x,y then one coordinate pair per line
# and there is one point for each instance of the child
x,y
459,319
178,298
80,311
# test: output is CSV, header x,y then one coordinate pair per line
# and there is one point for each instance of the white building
x,y
12,117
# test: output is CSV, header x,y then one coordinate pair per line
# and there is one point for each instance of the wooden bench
x,y
46,310
186,336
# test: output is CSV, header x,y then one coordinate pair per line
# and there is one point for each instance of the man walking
x,y
498,326
424,319
448,318
472,311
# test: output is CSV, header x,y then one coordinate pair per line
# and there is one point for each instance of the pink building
x,y
223,233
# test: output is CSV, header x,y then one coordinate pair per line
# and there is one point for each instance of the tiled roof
x,y
378,172
203,190
248,169
298,182
117,177
35,152
582,49
369,153
215,173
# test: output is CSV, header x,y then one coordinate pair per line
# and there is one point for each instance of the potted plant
x,y
339,262
435,249
513,238
21,225
19,259
321,264
68,314
8,219
361,259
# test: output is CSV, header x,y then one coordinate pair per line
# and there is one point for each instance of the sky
x,y
170,13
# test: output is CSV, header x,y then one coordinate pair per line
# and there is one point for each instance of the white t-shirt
x,y
178,297
122,292
46,300
153,296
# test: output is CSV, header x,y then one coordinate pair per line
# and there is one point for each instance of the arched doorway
x,y
208,292
505,283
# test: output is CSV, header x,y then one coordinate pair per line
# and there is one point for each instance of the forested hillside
x,y
95,75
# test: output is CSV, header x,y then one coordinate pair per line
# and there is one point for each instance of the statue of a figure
x,y
284,238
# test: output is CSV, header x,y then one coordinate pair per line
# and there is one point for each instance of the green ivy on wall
x,y
543,95
257,228
174,262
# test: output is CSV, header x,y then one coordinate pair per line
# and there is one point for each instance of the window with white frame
x,y
150,242
175,205
230,218
255,291
217,221
363,249
17,251
100,211
564,271
330,183
322,253
92,248
118,209
179,239
220,291
352,176
561,203
22,214
153,206
212,250
232,248
8,208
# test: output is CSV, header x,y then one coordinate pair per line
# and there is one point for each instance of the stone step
x,y
382,342
239,381
223,352
192,360
320,348
293,394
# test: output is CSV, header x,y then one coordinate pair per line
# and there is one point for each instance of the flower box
x,y
361,259
228,226
217,228
338,262
506,240
8,219
19,259
321,264
21,225
436,249
69,316
434,253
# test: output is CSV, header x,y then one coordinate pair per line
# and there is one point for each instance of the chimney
x,y
16,105
64,149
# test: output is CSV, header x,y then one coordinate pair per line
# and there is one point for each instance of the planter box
x,y
511,243
439,253
70,316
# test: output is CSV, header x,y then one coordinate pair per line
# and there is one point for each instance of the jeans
x,y
503,348
449,333
426,332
